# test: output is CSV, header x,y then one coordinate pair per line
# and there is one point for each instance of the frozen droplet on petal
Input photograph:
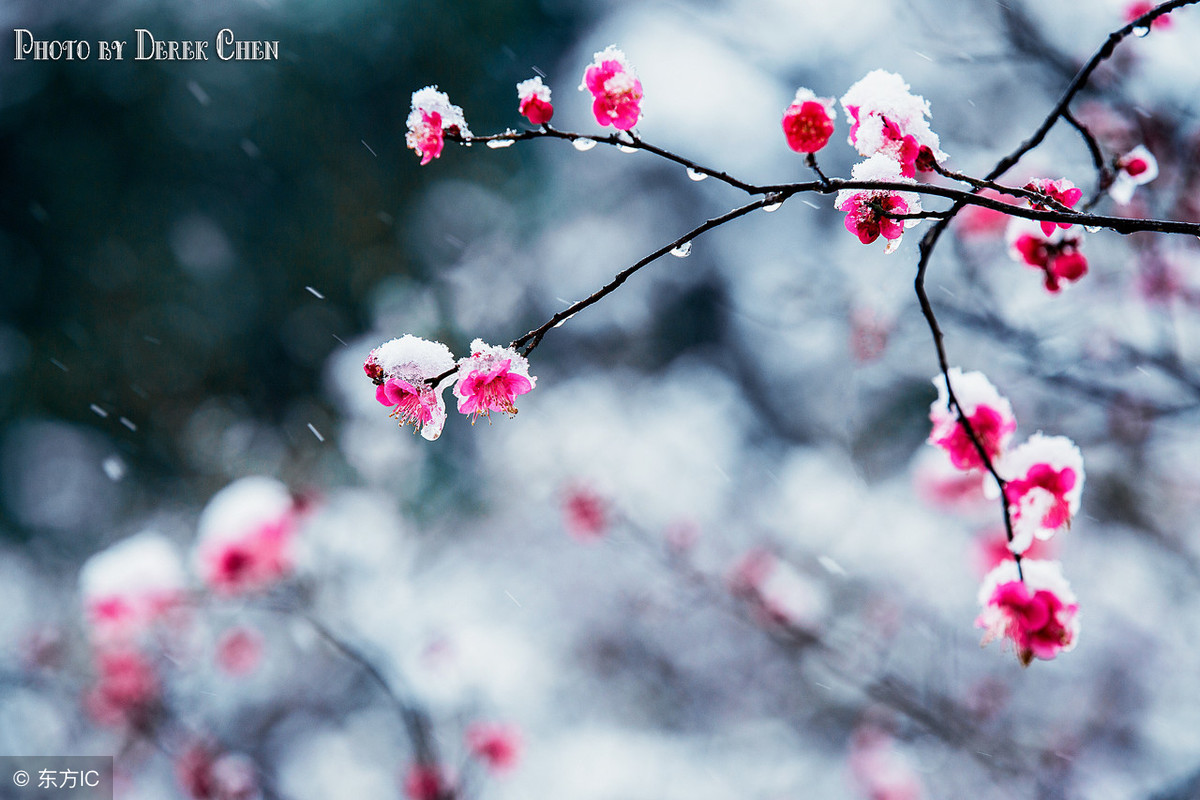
x,y
772,207
583,145
1141,31
696,176
682,251
1092,228
499,144
624,148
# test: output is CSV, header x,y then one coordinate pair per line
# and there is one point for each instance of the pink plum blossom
x,y
991,550
879,769
432,116
206,774
495,744
245,537
533,98
1135,168
586,513
1056,254
867,211
808,122
1062,191
425,782
615,88
491,379
989,414
886,119
126,690
1044,485
130,586
402,370
1038,614
1140,7
239,651
779,593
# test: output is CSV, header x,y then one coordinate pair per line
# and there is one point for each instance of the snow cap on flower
x,y
990,415
533,99
130,585
1061,190
400,369
245,536
1044,484
808,121
1135,168
1056,254
1039,615
491,379
432,116
886,118
866,210
615,88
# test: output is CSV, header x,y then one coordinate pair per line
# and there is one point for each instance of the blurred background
x,y
712,556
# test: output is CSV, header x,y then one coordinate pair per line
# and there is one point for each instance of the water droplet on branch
x,y
772,207
695,175
1141,31
498,144
1092,228
682,251
583,145
624,148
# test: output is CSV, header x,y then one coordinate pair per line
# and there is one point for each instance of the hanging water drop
x,y
1141,31
1092,228
624,148
583,145
497,144
683,251
695,175
772,207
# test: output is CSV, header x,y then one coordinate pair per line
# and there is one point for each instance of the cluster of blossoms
x,y
411,373
888,126
1025,600
610,78
137,599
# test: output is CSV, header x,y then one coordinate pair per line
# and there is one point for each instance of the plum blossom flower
x,y
1140,7
1137,167
885,118
432,116
867,211
239,651
126,690
1039,614
425,782
206,774
495,744
989,414
586,513
1044,484
533,98
245,537
1056,254
808,121
491,379
1062,191
615,88
401,369
879,769
131,585
991,549
779,593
